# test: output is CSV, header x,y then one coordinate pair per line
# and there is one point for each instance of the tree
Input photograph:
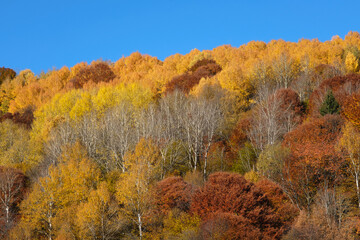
x,y
96,72
330,105
169,132
272,117
133,189
181,225
53,200
281,203
202,69
313,159
351,62
14,145
341,86
285,70
350,142
173,192
25,118
271,162
6,73
241,202
12,186
351,109
201,121
245,159
98,218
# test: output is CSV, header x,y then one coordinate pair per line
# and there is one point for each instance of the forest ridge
x,y
256,142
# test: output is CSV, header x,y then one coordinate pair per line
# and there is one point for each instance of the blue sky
x,y
41,35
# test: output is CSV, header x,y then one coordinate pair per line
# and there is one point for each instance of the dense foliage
x,y
260,141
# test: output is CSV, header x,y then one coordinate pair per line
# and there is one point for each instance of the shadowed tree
x,y
96,72
12,186
6,73
185,82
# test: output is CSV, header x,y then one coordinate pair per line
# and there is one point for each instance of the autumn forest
x,y
260,141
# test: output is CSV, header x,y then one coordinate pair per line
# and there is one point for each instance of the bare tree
x,y
303,84
285,70
59,137
117,133
201,120
266,129
169,133
11,187
272,117
334,203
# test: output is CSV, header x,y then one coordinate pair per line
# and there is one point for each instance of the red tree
x,y
173,192
290,100
281,203
96,72
186,81
242,205
6,73
313,158
351,109
26,118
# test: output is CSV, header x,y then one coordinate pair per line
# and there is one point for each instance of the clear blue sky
x,y
40,35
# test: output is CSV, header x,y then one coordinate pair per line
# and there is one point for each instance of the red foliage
x,y
341,86
281,203
173,192
290,100
96,72
26,118
243,204
186,81
351,109
6,73
238,135
313,157
314,142
201,63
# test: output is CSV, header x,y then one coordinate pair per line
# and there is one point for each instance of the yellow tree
x,y
14,145
53,200
350,142
24,79
98,218
181,225
351,62
133,189
239,89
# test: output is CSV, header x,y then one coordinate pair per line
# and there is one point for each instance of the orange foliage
x,y
239,202
351,109
313,157
173,192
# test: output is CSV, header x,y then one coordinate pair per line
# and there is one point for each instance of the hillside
x,y
260,141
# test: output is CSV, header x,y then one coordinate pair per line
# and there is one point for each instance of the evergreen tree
x,y
330,105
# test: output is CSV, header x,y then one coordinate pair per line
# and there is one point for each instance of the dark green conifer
x,y
330,105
